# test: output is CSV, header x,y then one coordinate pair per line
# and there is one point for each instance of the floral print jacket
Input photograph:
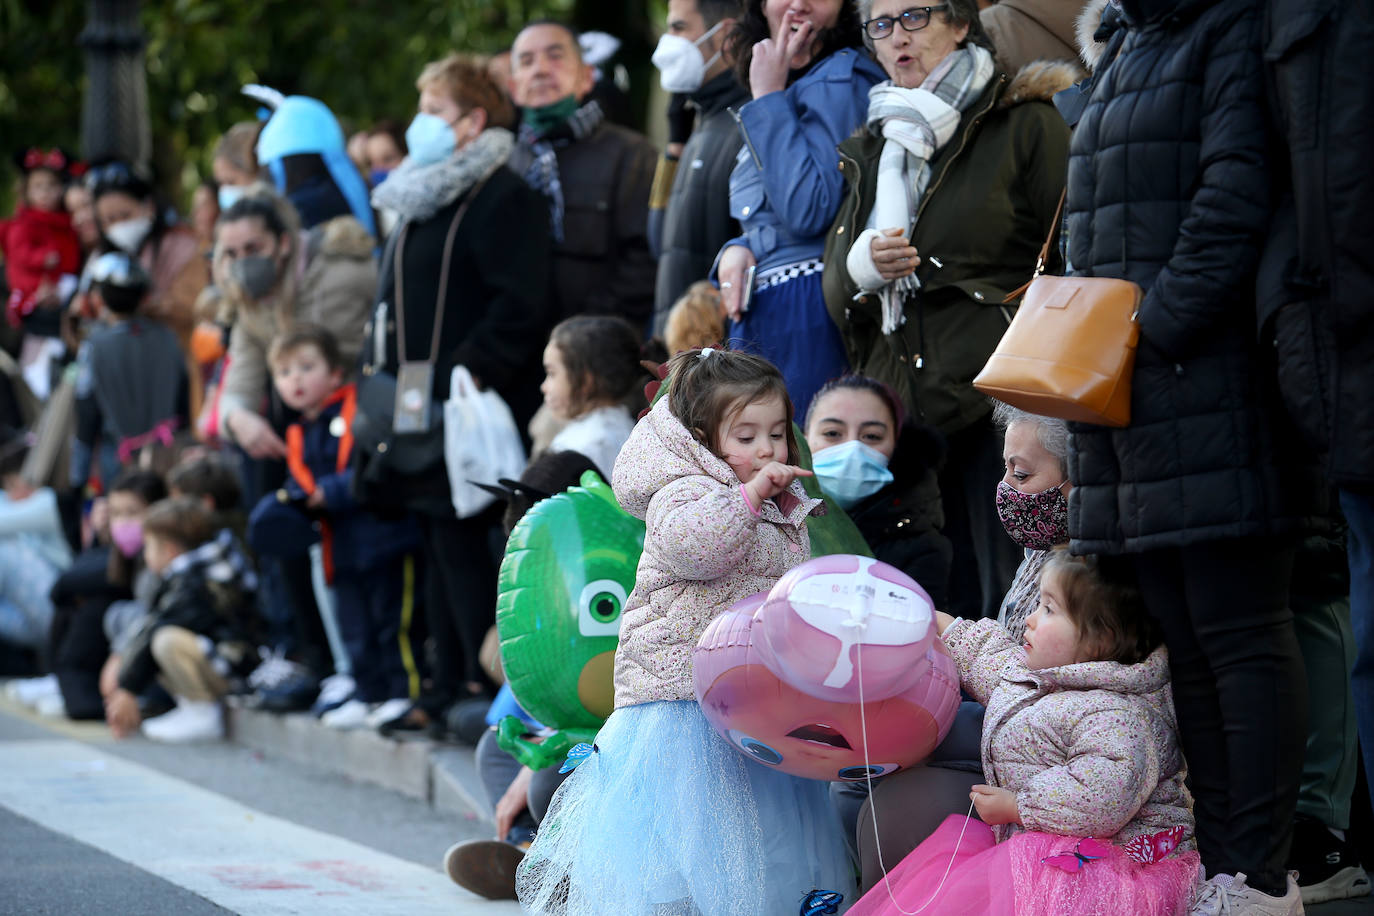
x,y
704,550
1090,749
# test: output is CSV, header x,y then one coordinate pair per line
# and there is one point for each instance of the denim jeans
x,y
26,579
1358,507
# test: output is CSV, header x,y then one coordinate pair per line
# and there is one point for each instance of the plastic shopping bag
x,y
481,443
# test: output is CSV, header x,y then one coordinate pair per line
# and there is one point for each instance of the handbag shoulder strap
x,y
1044,256
444,267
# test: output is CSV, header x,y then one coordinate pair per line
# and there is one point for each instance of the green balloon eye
x,y
599,607
605,607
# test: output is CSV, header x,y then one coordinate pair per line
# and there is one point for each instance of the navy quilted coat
x,y
1169,187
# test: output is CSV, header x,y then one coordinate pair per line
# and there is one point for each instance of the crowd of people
x,y
222,438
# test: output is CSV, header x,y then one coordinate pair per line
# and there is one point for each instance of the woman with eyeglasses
x,y
951,188
809,80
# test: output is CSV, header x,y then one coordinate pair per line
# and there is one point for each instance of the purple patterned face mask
x,y
1034,520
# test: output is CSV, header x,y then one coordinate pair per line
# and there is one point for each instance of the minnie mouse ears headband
x,y
53,160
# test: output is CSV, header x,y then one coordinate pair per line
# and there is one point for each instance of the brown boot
x,y
485,867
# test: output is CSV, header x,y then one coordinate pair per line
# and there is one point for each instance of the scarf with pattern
x,y
542,174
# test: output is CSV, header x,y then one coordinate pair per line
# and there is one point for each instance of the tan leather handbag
x,y
1070,349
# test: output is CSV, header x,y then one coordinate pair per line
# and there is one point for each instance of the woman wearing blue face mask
x,y
1032,504
234,165
882,471
469,262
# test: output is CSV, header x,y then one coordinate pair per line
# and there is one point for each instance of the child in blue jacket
x,y
368,561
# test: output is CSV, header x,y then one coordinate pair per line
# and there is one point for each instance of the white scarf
x,y
916,124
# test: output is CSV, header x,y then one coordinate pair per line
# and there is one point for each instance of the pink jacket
x,y
1089,749
703,551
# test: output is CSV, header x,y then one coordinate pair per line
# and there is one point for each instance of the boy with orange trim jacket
x,y
368,561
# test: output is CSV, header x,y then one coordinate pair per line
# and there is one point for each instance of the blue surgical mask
x,y
430,139
230,194
851,472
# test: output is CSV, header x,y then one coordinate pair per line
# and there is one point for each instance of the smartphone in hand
x,y
747,293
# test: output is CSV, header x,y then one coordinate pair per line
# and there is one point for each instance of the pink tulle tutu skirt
x,y
1010,879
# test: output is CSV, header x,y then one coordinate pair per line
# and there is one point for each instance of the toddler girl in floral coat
x,y
1085,810
664,816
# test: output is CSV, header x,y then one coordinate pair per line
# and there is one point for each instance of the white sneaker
x,y
385,712
335,690
51,706
26,691
192,720
352,714
1229,895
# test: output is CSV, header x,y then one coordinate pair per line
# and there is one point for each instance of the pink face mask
x,y
127,535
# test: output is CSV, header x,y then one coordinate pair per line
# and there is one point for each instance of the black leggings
x,y
1240,690
461,604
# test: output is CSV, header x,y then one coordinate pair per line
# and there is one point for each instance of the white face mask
x,y
679,63
128,235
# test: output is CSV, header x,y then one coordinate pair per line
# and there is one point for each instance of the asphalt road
x,y
92,826
88,825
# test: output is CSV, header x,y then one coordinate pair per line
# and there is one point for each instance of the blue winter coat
x,y
362,540
786,186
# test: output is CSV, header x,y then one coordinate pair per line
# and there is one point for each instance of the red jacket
x,y
39,246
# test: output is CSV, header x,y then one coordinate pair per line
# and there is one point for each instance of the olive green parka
x,y
985,214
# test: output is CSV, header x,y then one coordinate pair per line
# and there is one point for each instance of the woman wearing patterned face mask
x,y
1032,501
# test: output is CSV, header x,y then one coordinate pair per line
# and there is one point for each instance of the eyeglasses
x,y
912,20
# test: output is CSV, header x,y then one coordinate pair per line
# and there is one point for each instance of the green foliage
x,y
360,56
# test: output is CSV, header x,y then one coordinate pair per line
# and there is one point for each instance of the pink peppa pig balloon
x,y
780,674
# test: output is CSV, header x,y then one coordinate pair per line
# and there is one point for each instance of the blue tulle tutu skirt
x,y
666,819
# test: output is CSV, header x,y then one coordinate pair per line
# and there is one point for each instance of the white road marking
x,y
230,854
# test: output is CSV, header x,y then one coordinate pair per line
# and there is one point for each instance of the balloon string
x,y
873,808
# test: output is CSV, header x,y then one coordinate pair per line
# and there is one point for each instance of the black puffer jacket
x,y
1169,187
207,590
1318,270
698,221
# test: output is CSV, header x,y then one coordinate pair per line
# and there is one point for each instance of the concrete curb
x,y
443,775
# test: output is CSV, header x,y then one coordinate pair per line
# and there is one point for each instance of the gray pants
x,y
498,770
911,803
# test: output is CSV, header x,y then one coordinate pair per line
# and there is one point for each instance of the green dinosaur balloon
x,y
568,571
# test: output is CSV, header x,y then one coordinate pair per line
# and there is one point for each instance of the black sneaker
x,y
281,685
1326,868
